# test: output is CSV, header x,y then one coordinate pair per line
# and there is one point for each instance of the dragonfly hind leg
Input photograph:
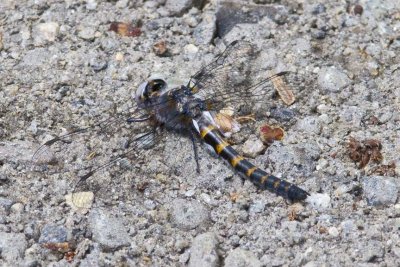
x,y
195,151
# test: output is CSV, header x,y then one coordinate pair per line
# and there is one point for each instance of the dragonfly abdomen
x,y
256,175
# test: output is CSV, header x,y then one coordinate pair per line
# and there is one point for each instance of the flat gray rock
x,y
188,214
107,230
203,251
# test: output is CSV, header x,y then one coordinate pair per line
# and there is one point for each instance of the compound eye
x,y
154,87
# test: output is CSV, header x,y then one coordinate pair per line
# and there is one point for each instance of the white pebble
x,y
319,201
333,231
191,49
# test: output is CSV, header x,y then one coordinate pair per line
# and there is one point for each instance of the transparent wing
x,y
105,179
235,77
83,154
53,151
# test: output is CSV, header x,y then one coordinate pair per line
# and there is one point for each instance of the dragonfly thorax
x,y
174,108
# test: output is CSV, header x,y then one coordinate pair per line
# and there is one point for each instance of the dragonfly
x,y
228,81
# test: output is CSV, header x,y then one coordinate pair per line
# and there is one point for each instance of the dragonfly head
x,y
148,91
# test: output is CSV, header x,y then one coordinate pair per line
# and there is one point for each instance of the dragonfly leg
x,y
195,151
141,119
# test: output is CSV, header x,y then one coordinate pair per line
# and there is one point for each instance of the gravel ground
x,y
61,66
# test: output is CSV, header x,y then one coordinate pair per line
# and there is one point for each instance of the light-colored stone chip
x,y
80,200
284,90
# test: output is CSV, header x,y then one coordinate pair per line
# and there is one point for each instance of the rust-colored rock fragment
x,y
284,90
365,151
271,133
125,29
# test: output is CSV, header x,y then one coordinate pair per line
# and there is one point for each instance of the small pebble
x,y
358,10
17,208
1,41
331,79
319,201
318,9
119,56
87,33
181,244
252,147
190,193
98,64
310,125
91,4
318,34
333,231
257,206
348,227
352,115
191,49
45,32
283,114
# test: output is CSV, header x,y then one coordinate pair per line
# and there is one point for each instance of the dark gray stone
x,y
3,177
380,190
318,34
31,230
283,114
53,234
98,64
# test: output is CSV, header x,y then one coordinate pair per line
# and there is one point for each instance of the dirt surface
x,y
71,64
